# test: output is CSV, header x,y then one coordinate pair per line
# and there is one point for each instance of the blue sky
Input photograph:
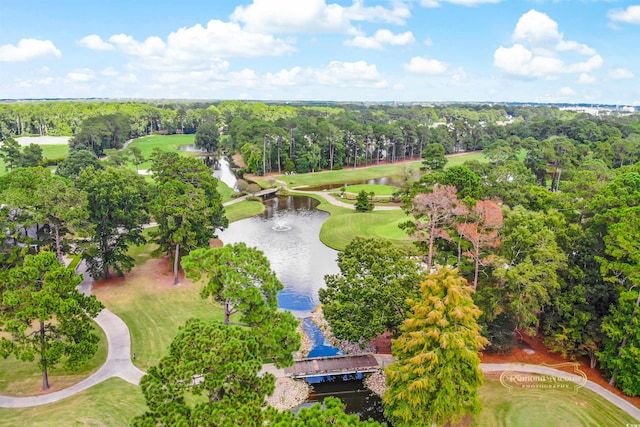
x,y
577,51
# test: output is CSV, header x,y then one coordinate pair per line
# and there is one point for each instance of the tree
x,y
31,156
10,153
434,213
369,295
101,132
436,375
208,137
532,261
169,166
481,232
183,218
136,156
620,356
49,205
240,279
466,181
434,159
118,210
76,162
363,204
45,316
217,363
622,327
329,413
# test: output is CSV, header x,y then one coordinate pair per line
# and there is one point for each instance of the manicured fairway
x,y
345,224
153,308
378,190
19,378
146,144
49,151
551,409
109,404
366,173
242,210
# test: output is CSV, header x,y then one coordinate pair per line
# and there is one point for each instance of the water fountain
x,y
281,226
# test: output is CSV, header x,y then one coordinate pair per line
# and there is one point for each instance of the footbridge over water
x,y
337,365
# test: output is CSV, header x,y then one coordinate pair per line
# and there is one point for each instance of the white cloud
x,y
630,15
620,74
419,64
28,49
349,74
567,91
313,16
538,49
438,3
81,76
152,46
458,77
586,79
428,42
381,38
95,42
109,72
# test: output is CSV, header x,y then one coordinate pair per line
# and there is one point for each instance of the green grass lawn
x,y
19,378
551,409
378,190
242,210
111,403
146,144
153,308
345,224
361,174
50,151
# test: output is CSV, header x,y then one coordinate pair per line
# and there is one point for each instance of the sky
x,y
546,51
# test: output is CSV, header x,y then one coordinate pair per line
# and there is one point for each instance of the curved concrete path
x,y
118,363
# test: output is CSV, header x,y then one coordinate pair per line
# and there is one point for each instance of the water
x,y
358,399
287,232
377,181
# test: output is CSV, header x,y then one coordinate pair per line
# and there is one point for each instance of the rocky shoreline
x,y
288,394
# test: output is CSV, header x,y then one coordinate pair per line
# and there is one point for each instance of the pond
x,y
287,232
377,181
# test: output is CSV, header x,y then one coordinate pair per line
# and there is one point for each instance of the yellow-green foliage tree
x,y
436,375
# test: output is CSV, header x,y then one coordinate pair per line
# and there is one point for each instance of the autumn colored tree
x,y
481,232
434,214
436,375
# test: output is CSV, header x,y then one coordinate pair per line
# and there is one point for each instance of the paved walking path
x,y
118,362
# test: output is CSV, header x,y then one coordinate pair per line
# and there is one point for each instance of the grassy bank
x,y
20,378
49,151
502,408
111,403
153,308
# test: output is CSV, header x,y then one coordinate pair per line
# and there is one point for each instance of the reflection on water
x,y
298,257
376,181
357,398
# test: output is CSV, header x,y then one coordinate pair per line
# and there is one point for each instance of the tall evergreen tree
x,y
436,375
44,316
